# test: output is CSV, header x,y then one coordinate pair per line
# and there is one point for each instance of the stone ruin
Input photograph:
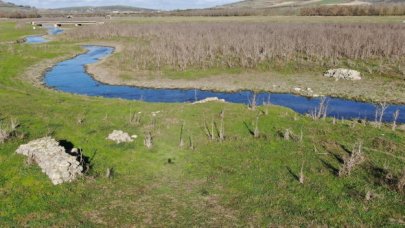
x,y
53,159
341,73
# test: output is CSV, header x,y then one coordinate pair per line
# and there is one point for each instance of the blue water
x,y
35,40
40,39
70,76
54,30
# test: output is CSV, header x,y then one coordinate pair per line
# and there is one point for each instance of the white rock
x,y
297,89
52,158
134,136
341,73
119,136
209,99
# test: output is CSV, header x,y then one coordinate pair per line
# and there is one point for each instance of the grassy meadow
x,y
251,178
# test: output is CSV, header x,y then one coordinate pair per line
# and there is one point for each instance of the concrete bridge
x,y
61,23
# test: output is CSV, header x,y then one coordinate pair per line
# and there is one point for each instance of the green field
x,y
242,181
9,33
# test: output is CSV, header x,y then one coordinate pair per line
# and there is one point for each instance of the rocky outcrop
x,y
53,159
119,136
341,73
209,99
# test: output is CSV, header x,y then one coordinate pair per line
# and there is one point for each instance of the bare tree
x,y
191,142
222,127
8,131
350,162
252,101
379,113
135,118
394,123
302,177
148,141
321,111
256,132
181,143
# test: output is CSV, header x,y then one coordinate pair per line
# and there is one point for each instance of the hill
x,y
103,9
10,10
256,4
6,6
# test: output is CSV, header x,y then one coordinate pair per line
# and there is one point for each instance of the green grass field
x,y
243,181
9,33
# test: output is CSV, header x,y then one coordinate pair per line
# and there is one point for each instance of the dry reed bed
x,y
19,14
181,46
356,10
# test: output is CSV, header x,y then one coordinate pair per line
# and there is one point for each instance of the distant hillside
x,y
10,10
103,9
256,4
6,6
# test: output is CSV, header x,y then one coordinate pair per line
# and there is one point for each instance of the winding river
x,y
70,76
40,39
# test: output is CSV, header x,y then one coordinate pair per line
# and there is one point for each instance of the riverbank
x,y
161,55
369,89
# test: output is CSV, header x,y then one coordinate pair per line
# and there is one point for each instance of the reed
x,y
227,45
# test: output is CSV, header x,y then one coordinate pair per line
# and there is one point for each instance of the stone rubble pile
x,y
52,158
342,73
119,136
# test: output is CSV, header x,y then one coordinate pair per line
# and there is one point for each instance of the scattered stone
x,y
119,136
58,165
155,113
342,73
209,99
297,89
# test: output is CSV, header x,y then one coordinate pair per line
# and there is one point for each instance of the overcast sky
x,y
153,4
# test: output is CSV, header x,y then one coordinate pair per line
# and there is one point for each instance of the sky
x,y
152,4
